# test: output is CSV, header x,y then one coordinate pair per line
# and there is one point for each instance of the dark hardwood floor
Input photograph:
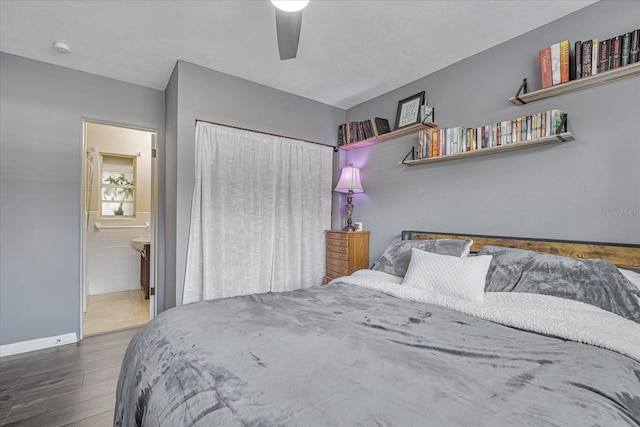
x,y
68,385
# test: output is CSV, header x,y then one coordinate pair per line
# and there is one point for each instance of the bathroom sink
x,y
139,243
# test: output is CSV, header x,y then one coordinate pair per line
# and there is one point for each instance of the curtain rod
x,y
335,149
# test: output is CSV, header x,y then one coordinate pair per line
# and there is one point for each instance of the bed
x,y
371,349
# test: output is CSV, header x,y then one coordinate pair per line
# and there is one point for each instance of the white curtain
x,y
260,206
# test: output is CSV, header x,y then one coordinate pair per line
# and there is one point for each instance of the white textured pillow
x,y
462,278
631,276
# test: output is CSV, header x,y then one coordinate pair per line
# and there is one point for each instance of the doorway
x,y
119,206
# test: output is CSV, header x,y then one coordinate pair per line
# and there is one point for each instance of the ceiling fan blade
x,y
288,26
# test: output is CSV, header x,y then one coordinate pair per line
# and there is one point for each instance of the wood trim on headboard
x,y
622,255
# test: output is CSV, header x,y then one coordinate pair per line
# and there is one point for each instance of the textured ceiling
x,y
350,51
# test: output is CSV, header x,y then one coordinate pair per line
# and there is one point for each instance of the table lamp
x,y
349,183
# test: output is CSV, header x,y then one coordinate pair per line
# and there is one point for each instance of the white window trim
x,y
134,159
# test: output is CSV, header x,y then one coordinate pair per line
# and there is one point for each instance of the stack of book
x,y
560,63
442,142
352,132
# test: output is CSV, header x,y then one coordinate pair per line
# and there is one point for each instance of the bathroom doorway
x,y
119,206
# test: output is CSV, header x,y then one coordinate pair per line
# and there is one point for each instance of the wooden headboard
x,y
622,255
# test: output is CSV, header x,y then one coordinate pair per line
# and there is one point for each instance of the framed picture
x,y
409,110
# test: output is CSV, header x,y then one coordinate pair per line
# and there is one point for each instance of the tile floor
x,y
115,311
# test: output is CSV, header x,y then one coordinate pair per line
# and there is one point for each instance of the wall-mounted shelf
x,y
389,136
579,84
553,139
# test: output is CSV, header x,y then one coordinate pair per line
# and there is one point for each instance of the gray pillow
x,y
593,281
395,259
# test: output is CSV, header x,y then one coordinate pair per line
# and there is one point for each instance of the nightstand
x,y
347,251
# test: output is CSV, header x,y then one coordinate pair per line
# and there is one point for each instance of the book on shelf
x,y
365,131
564,60
555,64
626,47
560,60
424,144
577,60
382,126
345,137
507,132
427,113
448,139
371,128
346,133
558,122
427,142
545,67
594,57
603,59
352,132
586,58
634,50
374,128
435,142
615,52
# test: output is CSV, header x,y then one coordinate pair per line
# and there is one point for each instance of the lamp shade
x,y
290,5
349,180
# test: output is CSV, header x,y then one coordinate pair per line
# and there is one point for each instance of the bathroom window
x,y
117,186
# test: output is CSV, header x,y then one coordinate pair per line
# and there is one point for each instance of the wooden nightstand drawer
x,y
334,272
337,263
339,236
338,255
337,249
337,242
346,253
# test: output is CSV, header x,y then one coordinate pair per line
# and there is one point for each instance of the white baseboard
x,y
37,344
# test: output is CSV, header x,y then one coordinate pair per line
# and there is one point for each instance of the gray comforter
x,y
341,355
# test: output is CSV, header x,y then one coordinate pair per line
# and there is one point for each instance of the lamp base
x,y
349,210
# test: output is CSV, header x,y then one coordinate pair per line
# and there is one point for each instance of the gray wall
x,y
167,298
213,96
558,191
41,158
